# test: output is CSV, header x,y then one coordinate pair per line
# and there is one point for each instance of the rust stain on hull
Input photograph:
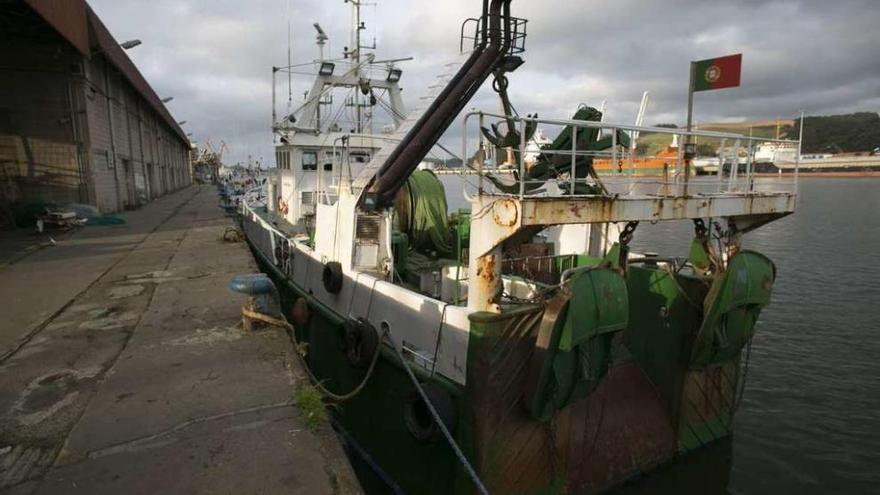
x,y
620,429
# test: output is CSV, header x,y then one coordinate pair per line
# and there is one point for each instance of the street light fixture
x,y
394,74
130,44
181,122
326,69
166,100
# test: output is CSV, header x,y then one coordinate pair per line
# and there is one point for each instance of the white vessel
x,y
775,152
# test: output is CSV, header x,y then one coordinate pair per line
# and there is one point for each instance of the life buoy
x,y
282,206
360,341
418,419
332,277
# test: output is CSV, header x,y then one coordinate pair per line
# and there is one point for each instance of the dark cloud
x,y
215,57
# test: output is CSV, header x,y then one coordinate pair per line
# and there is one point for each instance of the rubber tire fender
x,y
279,256
300,312
282,255
360,342
418,419
331,276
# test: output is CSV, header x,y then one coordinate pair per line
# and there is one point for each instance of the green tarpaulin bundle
x,y
421,213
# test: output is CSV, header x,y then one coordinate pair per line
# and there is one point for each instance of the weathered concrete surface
x,y
145,382
36,287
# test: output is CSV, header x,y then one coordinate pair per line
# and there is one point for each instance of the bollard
x,y
263,297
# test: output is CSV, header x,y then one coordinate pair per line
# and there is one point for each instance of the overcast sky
x,y
215,56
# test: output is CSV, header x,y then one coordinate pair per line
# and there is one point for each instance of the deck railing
x,y
620,169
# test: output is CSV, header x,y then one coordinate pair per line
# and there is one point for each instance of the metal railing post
x,y
797,166
632,151
522,155
679,154
721,155
797,160
750,183
477,154
734,165
574,130
613,150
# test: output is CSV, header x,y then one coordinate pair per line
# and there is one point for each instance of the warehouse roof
x,y
79,25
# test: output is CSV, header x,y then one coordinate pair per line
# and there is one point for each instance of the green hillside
x,y
650,143
839,133
827,134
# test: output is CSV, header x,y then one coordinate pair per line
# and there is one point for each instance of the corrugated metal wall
x,y
38,149
73,127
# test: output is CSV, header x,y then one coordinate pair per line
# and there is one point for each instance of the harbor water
x,y
809,421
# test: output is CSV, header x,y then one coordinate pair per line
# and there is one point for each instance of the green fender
x,y
573,348
732,307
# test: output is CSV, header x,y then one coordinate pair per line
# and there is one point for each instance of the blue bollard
x,y
263,295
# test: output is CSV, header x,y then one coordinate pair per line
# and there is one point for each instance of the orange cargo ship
x,y
654,165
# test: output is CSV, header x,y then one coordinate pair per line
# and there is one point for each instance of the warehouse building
x,y
78,121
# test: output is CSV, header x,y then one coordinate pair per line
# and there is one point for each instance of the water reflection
x,y
704,472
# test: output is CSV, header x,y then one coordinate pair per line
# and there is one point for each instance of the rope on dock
x,y
317,383
436,416
233,234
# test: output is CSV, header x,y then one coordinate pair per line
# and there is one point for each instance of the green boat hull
x,y
652,405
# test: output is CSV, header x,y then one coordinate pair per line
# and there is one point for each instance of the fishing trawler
x,y
519,346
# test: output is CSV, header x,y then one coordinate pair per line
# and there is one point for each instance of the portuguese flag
x,y
717,73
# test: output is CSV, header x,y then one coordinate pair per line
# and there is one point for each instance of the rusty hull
x,y
620,429
601,209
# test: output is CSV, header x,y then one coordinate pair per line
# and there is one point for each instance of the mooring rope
x,y
436,416
317,383
440,424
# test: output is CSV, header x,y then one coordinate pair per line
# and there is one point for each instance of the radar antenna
x,y
321,39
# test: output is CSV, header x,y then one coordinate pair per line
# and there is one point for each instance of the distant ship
x,y
660,163
781,158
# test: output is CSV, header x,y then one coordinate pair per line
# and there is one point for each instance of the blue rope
x,y
458,453
367,458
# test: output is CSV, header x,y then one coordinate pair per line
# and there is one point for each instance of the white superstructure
x,y
775,152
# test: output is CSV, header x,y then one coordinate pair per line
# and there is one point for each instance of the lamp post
x,y
130,44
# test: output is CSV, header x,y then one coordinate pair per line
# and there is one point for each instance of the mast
x,y
355,54
310,114
356,58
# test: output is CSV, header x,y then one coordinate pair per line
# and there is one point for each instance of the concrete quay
x,y
124,367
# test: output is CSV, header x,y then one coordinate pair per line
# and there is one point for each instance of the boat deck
x,y
557,210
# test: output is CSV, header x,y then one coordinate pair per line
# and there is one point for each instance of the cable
x,y
292,334
440,424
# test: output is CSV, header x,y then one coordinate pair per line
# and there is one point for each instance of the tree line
x,y
852,132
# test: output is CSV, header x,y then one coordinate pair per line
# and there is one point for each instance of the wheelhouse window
x,y
282,159
359,156
310,160
328,160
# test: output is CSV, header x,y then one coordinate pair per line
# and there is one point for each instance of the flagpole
x,y
689,140
690,101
